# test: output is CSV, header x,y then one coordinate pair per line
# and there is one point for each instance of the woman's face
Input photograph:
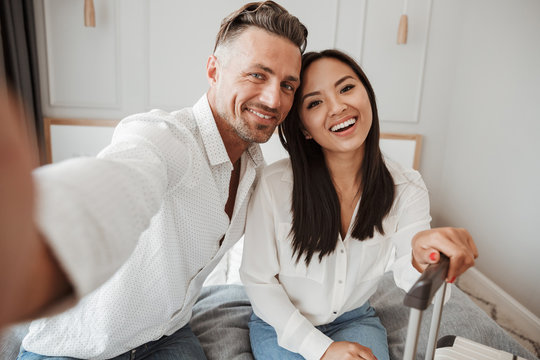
x,y
334,107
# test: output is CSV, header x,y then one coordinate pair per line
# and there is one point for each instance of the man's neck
x,y
234,145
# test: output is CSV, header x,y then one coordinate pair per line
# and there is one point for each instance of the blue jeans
x,y
181,345
360,325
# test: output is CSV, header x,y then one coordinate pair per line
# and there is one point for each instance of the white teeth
x,y
260,115
343,124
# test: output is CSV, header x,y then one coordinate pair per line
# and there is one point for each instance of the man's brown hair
x,y
266,15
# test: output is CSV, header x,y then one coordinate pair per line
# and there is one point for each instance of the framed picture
x,y
403,148
68,138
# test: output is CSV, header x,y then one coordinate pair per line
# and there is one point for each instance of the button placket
x,y
340,277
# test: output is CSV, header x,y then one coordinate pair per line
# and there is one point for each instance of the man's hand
x,y
30,277
455,243
345,350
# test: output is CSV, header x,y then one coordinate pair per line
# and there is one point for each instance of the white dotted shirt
x,y
137,230
294,298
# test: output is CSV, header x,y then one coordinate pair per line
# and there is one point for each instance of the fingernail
x,y
452,280
433,256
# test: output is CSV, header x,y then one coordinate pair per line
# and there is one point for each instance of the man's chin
x,y
258,137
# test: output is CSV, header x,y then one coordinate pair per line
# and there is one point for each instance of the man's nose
x,y
271,96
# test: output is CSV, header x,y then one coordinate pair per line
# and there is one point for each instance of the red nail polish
x,y
433,256
452,280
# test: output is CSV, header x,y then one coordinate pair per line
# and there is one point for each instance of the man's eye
x,y
347,88
288,87
313,104
257,76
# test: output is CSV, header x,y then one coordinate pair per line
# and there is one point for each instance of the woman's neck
x,y
344,170
347,178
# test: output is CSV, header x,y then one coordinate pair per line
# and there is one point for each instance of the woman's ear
x,y
306,134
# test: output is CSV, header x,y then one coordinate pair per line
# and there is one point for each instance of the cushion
x,y
10,341
222,312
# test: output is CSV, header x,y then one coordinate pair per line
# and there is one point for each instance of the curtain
x,y
21,65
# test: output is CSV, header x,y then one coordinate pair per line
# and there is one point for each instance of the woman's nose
x,y
337,107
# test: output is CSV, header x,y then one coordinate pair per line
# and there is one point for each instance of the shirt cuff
x,y
301,336
315,345
405,274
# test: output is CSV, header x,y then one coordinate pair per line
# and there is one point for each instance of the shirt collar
x,y
399,174
213,143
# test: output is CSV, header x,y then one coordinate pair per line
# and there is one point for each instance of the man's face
x,y
253,80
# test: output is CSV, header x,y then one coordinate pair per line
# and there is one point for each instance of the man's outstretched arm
x,y
30,277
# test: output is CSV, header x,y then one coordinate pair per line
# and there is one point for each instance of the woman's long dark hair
x,y
315,204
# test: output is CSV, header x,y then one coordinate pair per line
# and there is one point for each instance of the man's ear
x,y
212,70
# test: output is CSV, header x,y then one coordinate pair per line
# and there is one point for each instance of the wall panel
x,y
82,62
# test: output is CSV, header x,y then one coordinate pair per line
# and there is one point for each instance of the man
x,y
136,231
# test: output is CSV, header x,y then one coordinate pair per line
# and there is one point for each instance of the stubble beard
x,y
240,127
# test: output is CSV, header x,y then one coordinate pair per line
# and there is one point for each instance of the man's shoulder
x,y
158,124
155,116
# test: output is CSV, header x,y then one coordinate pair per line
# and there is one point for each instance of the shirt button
x,y
335,312
342,251
340,281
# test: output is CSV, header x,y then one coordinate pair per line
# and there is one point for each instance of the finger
x,y
367,354
423,253
472,245
465,252
461,258
426,256
457,244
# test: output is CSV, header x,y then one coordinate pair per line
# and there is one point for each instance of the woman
x,y
310,268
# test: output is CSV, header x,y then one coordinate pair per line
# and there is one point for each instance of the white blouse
x,y
294,298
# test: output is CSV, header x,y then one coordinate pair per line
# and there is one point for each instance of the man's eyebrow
x,y
270,71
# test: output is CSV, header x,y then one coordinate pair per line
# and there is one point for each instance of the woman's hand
x,y
455,243
344,350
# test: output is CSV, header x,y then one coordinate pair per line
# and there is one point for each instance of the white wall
x,y
480,119
492,160
467,80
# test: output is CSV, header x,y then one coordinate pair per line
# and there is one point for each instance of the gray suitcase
x,y
432,284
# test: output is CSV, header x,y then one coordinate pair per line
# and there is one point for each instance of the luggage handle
x,y
432,281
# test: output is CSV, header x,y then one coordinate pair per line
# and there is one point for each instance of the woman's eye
x,y
347,88
313,104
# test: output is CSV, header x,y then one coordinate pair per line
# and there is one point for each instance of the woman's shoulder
x,y
403,175
278,170
277,175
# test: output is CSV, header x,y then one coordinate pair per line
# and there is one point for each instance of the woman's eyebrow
x,y
335,84
343,79
310,94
